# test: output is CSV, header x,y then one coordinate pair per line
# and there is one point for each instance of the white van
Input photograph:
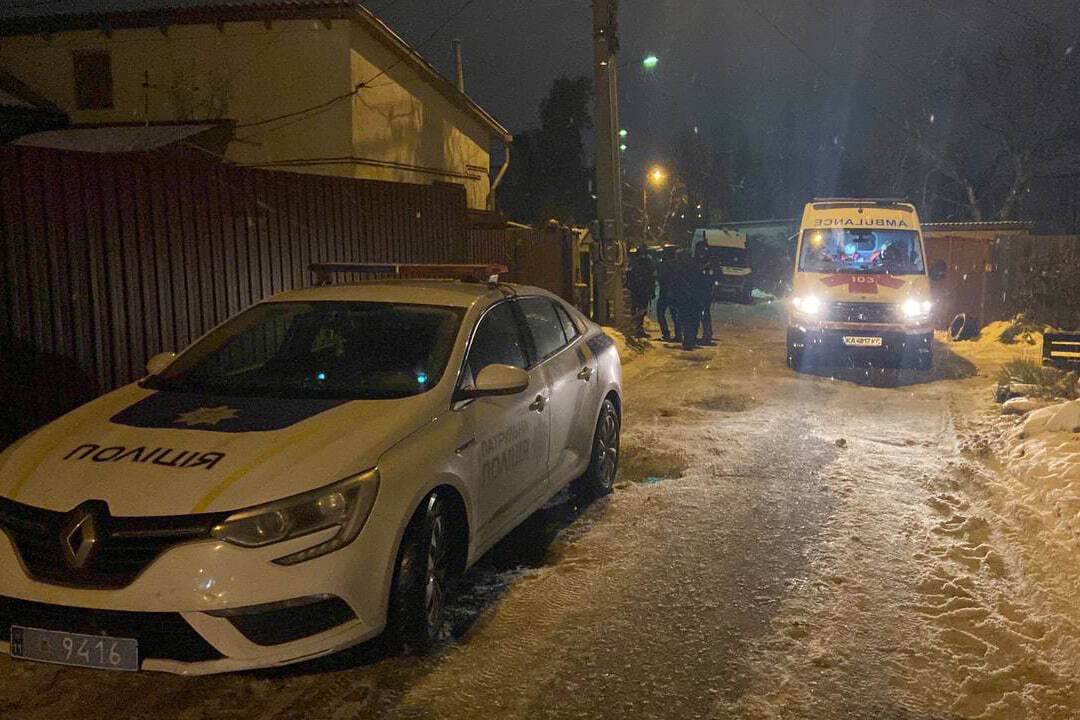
x,y
861,287
729,257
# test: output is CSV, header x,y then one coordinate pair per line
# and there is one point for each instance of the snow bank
x,y
1022,405
988,350
627,350
1063,417
1044,453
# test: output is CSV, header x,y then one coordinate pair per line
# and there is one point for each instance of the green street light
x,y
622,147
650,62
623,133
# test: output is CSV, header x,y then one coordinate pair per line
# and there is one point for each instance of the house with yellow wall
x,y
312,86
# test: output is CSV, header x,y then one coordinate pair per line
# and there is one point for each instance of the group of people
x,y
685,293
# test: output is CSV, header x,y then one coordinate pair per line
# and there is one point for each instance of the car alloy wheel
x,y
437,567
604,465
421,583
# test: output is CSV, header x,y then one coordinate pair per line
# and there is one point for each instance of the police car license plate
x,y
61,648
862,341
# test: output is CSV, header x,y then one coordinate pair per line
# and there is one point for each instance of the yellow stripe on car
x,y
243,470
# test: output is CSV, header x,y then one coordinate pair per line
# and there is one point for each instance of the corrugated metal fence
x,y
107,260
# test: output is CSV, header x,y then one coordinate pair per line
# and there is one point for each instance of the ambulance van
x,y
861,287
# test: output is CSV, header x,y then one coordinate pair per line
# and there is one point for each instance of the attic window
x,y
93,79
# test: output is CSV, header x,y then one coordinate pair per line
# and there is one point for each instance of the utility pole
x,y
609,275
459,64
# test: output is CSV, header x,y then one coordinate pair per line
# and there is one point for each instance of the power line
x,y
323,106
780,31
818,65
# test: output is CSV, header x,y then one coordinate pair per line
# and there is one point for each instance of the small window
x,y
497,341
568,325
93,80
545,325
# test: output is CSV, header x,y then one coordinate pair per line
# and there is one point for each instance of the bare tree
x,y
988,126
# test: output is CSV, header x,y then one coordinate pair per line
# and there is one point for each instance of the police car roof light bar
x,y
489,274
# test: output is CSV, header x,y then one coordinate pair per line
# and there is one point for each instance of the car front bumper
x,y
208,607
824,343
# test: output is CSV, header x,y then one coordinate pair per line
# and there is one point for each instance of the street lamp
x,y
650,62
656,177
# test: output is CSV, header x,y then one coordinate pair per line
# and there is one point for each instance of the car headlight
x,y
915,309
344,505
809,305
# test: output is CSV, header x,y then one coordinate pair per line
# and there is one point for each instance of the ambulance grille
x,y
124,547
862,312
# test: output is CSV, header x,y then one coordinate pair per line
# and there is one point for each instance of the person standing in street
x,y
706,281
686,296
665,275
641,281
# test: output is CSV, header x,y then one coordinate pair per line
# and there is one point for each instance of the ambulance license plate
x,y
61,648
857,341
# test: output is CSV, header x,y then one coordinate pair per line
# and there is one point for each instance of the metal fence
x,y
107,260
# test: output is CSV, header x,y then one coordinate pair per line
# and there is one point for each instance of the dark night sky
x,y
718,58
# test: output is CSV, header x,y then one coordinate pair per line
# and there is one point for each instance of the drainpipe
x,y
498,179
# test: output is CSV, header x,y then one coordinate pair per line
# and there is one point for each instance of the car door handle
x,y
538,404
585,374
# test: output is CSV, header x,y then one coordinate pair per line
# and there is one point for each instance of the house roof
x,y
16,95
113,139
980,226
36,18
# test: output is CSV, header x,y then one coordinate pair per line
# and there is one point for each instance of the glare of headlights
x,y
809,305
914,308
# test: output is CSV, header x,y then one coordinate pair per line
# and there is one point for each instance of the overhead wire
x,y
327,104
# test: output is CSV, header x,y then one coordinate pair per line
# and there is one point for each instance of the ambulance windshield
x,y
891,252
332,350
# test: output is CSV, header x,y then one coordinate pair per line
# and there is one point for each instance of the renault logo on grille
x,y
80,536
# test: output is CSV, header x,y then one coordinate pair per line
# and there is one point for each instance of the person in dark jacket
x,y
706,281
665,276
686,297
641,282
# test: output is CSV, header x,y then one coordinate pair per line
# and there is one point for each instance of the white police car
x,y
301,478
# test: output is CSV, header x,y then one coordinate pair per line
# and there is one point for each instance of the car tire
x,y
599,478
417,613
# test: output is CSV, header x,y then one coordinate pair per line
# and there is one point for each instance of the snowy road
x,y
780,546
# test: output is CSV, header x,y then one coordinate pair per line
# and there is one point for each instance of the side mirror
x,y
497,380
938,270
157,364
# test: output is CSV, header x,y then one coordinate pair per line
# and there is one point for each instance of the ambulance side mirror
x,y
157,364
938,270
496,380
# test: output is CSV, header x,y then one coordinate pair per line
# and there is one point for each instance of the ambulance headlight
x,y
915,309
345,505
810,305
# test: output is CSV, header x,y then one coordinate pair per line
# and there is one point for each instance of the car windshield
x,y
892,252
339,350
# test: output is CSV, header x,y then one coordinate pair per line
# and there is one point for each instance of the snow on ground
x,y
989,352
779,546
